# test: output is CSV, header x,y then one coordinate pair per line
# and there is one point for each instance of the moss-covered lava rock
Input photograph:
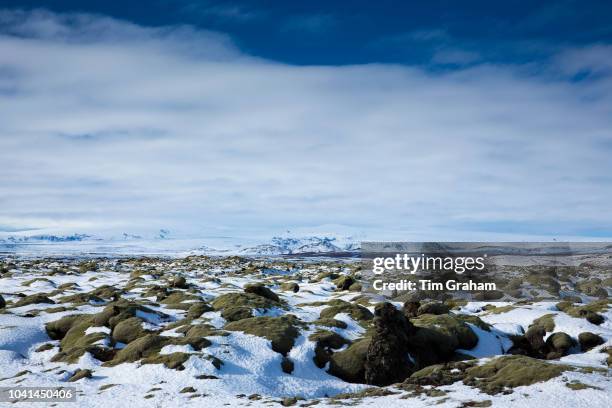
x,y
281,331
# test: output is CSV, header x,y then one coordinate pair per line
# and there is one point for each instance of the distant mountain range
x,y
162,241
45,238
289,246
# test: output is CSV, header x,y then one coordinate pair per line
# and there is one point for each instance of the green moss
x,y
198,309
367,393
564,305
491,309
45,347
589,340
349,364
146,346
475,320
57,329
87,266
201,330
592,287
326,275
456,333
31,281
75,343
290,287
560,342
583,310
281,331
106,292
577,386
128,330
326,341
248,300
260,289
435,308
357,312
79,299
80,374
456,303
331,323
547,322
174,360
233,314
510,372
344,282
178,297
33,299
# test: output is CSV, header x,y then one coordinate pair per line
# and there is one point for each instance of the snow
x,y
250,366
97,329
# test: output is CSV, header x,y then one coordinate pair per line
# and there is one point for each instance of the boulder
x,y
290,287
128,330
411,308
281,331
198,309
260,290
325,343
559,345
349,364
179,281
387,359
233,314
357,312
344,282
435,308
589,340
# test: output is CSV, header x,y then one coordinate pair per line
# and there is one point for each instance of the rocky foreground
x,y
236,331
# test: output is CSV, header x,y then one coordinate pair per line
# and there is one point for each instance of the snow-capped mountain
x,y
45,238
289,246
164,243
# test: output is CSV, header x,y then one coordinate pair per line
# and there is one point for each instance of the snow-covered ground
x,y
251,372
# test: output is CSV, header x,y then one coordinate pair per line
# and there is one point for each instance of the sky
x,y
475,121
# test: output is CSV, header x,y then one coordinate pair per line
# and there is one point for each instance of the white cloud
x,y
112,126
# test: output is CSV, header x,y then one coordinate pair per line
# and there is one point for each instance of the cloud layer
x,y
109,126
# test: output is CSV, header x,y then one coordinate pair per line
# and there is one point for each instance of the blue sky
x,y
485,121
360,31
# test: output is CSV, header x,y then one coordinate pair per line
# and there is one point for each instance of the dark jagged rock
x,y
287,365
387,359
